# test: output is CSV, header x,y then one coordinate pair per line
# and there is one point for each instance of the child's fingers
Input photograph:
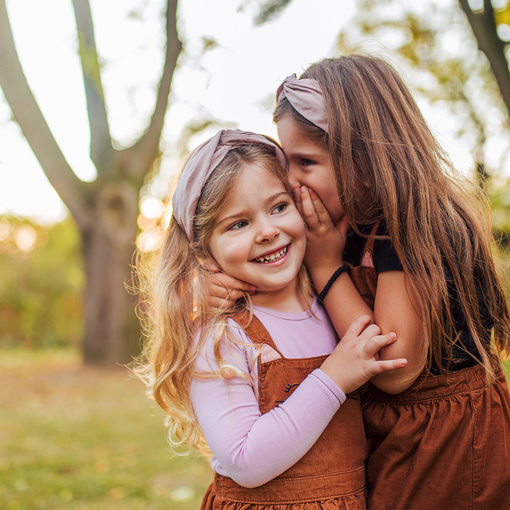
x,y
309,213
389,364
357,326
220,292
297,200
210,265
225,286
217,304
343,225
371,331
320,210
374,344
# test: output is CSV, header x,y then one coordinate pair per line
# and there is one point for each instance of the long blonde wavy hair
x,y
174,306
389,167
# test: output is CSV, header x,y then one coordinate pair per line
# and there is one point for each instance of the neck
x,y
290,299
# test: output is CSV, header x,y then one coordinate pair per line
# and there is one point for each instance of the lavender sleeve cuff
x,y
330,384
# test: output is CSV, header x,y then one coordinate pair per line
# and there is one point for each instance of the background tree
x,y
105,210
436,44
490,21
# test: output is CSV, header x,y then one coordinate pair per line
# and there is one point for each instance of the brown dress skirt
x,y
330,476
443,444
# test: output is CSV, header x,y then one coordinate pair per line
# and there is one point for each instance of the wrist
x,y
345,268
321,275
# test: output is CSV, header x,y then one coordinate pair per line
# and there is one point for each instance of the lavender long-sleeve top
x,y
249,447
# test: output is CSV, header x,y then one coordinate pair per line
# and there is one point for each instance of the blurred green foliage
x,y
41,284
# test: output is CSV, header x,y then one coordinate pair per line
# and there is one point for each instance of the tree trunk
x,y
112,333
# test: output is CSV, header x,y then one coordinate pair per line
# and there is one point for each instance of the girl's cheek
x,y
299,227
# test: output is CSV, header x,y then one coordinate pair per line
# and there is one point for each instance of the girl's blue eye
x,y
239,225
307,162
280,208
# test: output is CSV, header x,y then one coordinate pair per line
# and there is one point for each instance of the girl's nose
x,y
292,178
267,233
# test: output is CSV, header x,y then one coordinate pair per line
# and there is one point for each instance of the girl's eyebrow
x,y
243,213
309,155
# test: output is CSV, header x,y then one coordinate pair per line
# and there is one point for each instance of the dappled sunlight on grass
x,y
74,437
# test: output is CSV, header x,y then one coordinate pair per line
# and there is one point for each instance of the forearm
x,y
343,301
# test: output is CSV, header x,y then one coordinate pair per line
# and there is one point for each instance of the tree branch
x,y
146,150
28,115
484,28
101,149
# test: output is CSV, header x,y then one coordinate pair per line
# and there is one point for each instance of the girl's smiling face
x,y
310,166
259,236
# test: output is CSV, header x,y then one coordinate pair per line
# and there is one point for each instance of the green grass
x,y
74,437
83,438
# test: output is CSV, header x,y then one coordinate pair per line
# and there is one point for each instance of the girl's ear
x,y
210,265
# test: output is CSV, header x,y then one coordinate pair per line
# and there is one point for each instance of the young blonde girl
x,y
264,384
418,258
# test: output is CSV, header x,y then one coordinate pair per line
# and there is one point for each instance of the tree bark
x,y
101,151
484,28
138,159
112,332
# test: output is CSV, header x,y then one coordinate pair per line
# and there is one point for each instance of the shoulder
x,y
385,257
228,339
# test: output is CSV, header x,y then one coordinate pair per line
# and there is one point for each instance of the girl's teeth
x,y
273,257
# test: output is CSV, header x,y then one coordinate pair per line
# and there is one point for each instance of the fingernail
x,y
392,336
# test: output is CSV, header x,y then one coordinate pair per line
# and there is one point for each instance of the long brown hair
x,y
175,301
389,167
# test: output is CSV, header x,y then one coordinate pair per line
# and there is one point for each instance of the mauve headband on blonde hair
x,y
306,97
202,164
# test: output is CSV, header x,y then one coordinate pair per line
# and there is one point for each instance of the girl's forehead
x,y
254,185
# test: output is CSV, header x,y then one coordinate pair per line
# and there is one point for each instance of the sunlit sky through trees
x,y
233,82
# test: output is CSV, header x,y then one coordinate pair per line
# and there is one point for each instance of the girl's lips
x,y
273,256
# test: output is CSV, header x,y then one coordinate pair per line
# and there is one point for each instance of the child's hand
x,y
325,241
355,359
224,290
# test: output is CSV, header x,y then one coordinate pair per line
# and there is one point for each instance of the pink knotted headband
x,y
202,164
306,97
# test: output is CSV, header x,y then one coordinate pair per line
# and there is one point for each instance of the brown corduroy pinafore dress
x,y
331,475
444,443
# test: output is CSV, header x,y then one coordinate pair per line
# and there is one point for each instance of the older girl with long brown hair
x,y
420,260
